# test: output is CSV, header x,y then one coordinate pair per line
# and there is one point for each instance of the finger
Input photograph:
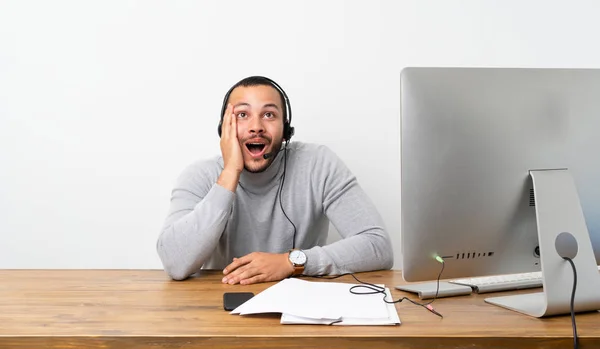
x,y
234,275
253,280
242,273
237,262
226,125
233,129
237,271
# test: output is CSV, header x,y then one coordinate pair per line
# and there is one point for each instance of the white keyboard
x,y
506,282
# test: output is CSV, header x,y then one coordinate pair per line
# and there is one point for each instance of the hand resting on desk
x,y
258,267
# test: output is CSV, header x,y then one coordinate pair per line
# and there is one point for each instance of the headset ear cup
x,y
286,131
219,127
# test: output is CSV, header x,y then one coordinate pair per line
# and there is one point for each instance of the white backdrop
x,y
103,103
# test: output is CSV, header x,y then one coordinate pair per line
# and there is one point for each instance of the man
x,y
261,210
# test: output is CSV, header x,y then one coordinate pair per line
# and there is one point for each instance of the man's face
x,y
259,116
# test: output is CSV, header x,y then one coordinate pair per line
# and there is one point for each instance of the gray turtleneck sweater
x,y
207,225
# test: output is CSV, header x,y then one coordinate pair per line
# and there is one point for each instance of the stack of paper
x,y
307,302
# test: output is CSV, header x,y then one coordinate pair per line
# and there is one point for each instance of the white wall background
x,y
103,103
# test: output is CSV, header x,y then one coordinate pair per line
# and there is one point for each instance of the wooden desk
x,y
143,308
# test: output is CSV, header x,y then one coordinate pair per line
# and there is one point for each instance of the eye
x,y
241,115
269,115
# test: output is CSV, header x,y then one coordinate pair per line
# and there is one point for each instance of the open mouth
x,y
256,149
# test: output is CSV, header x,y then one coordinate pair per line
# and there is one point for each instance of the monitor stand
x,y
562,231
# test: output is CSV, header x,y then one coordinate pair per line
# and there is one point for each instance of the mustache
x,y
266,138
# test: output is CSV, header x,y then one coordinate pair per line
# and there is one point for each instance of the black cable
x,y
280,191
574,324
374,289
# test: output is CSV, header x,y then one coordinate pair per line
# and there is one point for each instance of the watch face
x,y
298,257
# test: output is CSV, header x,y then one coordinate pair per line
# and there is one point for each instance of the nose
x,y
256,125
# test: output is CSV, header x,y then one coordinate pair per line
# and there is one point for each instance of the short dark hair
x,y
259,81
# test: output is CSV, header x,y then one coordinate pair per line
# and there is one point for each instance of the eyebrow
x,y
271,105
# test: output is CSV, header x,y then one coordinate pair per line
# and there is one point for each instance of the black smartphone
x,y
232,300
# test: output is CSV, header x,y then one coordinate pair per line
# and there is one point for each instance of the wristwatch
x,y
298,260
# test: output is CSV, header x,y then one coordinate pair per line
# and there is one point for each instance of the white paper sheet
x,y
308,302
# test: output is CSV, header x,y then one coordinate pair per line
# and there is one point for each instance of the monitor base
x,y
562,232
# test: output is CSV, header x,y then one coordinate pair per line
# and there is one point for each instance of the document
x,y
329,303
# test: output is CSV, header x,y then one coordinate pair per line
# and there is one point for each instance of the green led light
x,y
439,259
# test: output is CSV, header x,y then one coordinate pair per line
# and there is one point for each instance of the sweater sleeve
x,y
366,245
197,217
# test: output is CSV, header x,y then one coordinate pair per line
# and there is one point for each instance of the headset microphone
x,y
267,156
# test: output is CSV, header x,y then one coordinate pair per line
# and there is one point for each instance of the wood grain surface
x,y
145,309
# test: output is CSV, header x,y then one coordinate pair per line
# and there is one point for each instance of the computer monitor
x,y
496,163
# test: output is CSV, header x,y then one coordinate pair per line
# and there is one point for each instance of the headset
x,y
288,130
